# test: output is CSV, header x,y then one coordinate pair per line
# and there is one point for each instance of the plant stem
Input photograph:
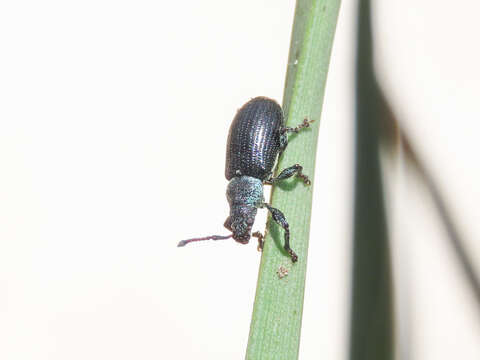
x,y
277,312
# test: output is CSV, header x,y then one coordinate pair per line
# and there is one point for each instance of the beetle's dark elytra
x,y
256,138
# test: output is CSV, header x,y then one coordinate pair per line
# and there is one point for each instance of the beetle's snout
x,y
241,232
240,222
242,240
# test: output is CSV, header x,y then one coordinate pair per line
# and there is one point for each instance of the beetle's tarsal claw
x,y
260,238
293,255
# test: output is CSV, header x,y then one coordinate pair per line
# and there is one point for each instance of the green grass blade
x,y
372,297
277,312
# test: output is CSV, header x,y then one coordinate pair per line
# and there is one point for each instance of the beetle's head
x,y
240,222
244,194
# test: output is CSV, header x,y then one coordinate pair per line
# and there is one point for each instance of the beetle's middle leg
x,y
279,218
289,172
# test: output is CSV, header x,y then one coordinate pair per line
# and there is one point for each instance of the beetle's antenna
x,y
211,237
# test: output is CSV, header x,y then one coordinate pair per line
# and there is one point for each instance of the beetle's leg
x,y
284,130
305,124
283,142
260,238
289,172
279,218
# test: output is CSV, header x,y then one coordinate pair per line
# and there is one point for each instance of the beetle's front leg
x,y
289,172
279,218
260,238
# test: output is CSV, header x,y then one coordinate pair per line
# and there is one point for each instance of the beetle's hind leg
x,y
279,218
289,172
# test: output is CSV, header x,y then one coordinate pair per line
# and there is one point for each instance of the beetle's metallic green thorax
x,y
245,190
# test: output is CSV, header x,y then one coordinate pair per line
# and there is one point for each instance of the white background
x,y
113,123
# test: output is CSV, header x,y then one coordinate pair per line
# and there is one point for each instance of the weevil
x,y
257,138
